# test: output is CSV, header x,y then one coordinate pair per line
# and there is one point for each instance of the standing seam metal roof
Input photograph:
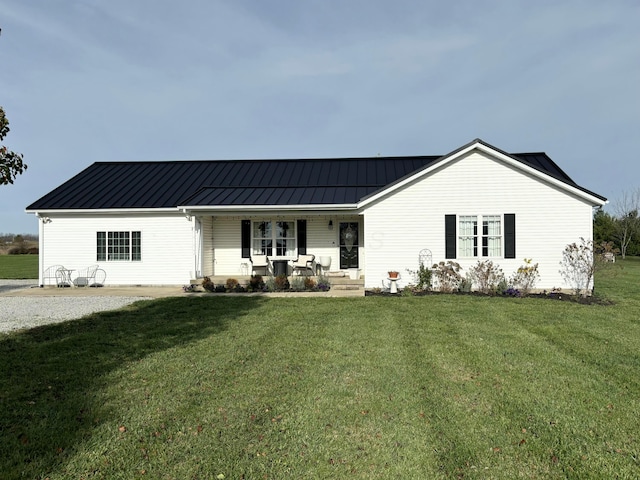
x,y
127,185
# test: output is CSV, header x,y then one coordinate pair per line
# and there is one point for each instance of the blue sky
x,y
94,80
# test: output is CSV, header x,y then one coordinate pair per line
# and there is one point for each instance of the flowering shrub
x,y
448,275
526,277
323,284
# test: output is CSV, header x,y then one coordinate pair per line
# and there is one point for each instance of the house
x,y
152,223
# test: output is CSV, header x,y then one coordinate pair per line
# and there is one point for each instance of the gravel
x,y
17,313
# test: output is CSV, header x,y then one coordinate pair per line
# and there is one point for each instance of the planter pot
x,y
354,273
393,274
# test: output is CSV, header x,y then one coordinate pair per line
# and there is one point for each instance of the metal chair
x,y
86,277
49,275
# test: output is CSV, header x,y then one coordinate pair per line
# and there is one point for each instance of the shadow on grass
x,y
50,375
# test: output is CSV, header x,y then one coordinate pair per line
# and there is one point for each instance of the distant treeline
x,y
6,238
21,244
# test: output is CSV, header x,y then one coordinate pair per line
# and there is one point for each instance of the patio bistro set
x,y
61,277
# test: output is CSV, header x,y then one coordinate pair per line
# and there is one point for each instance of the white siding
x,y
227,253
547,218
207,246
167,247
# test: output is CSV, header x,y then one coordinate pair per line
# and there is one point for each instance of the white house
x,y
166,223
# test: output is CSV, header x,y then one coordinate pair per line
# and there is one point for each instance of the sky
x,y
83,81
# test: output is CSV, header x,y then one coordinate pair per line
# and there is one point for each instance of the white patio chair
x,y
49,275
304,263
260,262
86,277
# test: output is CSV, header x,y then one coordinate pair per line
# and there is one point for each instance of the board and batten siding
x,y
167,243
548,218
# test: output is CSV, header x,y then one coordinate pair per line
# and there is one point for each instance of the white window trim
x,y
478,235
274,239
107,245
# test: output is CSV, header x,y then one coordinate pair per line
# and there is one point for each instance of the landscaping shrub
x,y
448,275
281,282
256,283
309,283
297,284
323,284
525,277
207,284
486,276
578,266
231,285
422,277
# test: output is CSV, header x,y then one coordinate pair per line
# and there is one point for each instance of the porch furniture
x,y
280,267
63,277
260,262
304,263
325,264
244,268
99,279
86,277
49,275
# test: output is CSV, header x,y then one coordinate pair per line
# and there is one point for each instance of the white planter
x,y
354,273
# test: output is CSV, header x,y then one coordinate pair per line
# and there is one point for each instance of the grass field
x,y
374,387
18,266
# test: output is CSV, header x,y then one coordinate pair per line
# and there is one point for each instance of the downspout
x,y
41,223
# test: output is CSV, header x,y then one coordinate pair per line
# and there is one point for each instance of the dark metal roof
x,y
108,185
126,185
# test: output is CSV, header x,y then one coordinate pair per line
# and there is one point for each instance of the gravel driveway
x,y
19,312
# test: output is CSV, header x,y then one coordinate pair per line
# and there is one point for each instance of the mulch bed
x,y
562,297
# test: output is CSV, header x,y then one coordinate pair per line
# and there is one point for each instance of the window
x,y
262,238
267,234
285,239
469,236
118,246
483,242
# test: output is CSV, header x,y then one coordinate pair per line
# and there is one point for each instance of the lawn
x,y
18,266
374,387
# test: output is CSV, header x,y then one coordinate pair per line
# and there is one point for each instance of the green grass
x,y
374,387
18,266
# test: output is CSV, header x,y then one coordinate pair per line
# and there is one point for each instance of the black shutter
x,y
449,236
509,235
246,238
302,237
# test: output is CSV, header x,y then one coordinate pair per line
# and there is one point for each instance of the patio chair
x,y
49,275
260,262
86,277
99,279
304,263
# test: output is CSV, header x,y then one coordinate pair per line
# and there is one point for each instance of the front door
x,y
349,245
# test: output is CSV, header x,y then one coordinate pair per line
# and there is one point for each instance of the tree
x,y
627,221
604,227
11,163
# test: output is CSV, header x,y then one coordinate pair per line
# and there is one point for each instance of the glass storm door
x,y
349,245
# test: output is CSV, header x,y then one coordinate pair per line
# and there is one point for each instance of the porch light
x,y
330,224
